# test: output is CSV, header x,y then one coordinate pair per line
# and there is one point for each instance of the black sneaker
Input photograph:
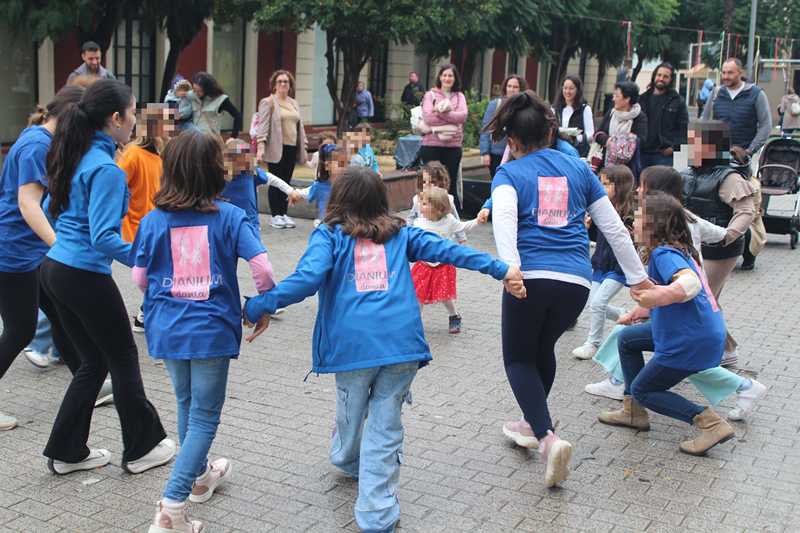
x,y
748,265
138,323
455,324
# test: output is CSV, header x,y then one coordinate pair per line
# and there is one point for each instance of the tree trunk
x,y
637,69
727,15
602,66
582,66
354,57
170,66
468,70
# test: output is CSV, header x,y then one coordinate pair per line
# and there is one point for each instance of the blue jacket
x,y
368,314
365,107
87,233
485,140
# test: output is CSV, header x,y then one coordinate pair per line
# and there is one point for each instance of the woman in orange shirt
x,y
141,161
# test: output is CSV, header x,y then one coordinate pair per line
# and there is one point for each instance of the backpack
x,y
620,149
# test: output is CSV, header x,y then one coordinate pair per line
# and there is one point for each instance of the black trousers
x,y
530,330
278,202
450,157
94,316
494,162
21,296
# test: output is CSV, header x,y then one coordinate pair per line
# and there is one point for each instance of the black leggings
x,y
278,202
20,299
94,316
450,157
531,328
494,163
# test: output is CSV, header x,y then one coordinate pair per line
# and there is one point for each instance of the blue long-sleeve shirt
x,y
365,107
88,231
368,314
485,140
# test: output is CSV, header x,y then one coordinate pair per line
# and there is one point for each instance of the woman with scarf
x,y
623,129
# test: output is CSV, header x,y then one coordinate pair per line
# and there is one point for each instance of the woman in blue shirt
x,y
88,198
492,152
540,201
26,235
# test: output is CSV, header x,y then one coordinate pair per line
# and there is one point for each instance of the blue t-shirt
x,y
368,156
368,314
192,308
25,163
689,335
553,192
88,231
242,191
319,194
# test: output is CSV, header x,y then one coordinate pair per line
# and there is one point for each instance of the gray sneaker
x,y
7,422
106,394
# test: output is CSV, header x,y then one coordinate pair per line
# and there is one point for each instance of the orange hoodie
x,y
143,170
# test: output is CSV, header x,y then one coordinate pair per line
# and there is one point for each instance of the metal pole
x,y
751,39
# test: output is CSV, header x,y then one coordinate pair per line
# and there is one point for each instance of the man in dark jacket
x,y
413,91
667,117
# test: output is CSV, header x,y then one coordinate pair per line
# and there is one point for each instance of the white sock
x,y
172,503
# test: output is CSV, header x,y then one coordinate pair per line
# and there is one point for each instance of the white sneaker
x,y
729,359
204,486
289,222
606,389
39,359
586,351
276,221
7,422
746,401
97,457
106,394
174,519
160,455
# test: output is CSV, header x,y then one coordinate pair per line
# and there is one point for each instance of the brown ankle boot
x,y
713,430
632,415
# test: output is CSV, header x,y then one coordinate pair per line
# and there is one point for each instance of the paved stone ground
x,y
460,474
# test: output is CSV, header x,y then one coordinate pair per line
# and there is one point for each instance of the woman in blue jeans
x,y
686,331
369,330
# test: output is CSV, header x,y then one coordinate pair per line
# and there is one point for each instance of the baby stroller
x,y
779,174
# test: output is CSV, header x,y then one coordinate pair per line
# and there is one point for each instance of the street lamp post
x,y
751,39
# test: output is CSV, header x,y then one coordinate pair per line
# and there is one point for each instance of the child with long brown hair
x,y
369,330
607,276
185,260
687,328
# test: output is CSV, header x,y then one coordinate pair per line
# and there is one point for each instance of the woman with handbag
x,y
281,141
444,111
622,130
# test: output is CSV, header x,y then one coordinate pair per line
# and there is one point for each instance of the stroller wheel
x,y
793,240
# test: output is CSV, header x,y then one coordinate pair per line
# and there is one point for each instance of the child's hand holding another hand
x,y
260,326
514,284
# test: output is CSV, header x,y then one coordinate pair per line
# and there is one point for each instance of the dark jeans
x,y
649,384
530,330
494,162
450,157
94,316
656,158
278,202
21,296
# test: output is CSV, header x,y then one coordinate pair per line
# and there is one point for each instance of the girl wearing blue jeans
x,y
186,252
368,330
688,331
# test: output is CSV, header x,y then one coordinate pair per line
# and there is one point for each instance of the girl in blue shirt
x,y
26,234
88,198
331,164
687,328
186,253
368,329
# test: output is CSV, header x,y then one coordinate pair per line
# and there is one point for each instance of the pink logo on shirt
x,y
553,201
371,271
706,287
191,277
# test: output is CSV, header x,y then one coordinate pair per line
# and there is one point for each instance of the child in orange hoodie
x,y
141,161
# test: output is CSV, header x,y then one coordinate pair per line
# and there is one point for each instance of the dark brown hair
x,y
74,132
194,173
522,83
273,81
526,118
68,95
440,177
667,225
664,179
360,205
561,102
456,84
622,178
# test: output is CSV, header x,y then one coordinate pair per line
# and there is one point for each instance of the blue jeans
x,y
649,384
600,308
200,391
372,450
43,340
656,158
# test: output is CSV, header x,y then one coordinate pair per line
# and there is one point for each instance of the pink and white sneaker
x,y
521,433
204,486
556,453
174,518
